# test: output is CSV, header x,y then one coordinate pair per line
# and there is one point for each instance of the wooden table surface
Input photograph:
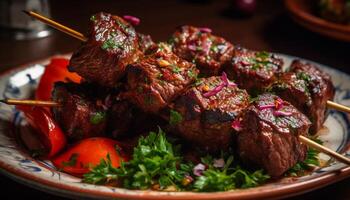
x,y
269,29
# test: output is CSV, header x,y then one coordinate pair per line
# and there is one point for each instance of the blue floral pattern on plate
x,y
14,160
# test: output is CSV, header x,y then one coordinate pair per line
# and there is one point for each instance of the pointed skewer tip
x,y
26,12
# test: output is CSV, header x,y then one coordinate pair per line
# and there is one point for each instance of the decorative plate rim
x,y
63,189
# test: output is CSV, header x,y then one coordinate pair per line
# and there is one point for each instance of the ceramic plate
x,y
17,164
302,12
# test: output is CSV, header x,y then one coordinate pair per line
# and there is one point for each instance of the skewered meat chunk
x,y
157,79
79,116
269,137
126,120
204,114
319,87
198,45
294,89
252,70
112,45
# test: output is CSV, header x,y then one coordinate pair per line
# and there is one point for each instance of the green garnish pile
x,y
156,164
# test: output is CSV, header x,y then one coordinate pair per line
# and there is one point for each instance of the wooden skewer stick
x,y
57,25
324,150
81,37
336,106
30,102
303,139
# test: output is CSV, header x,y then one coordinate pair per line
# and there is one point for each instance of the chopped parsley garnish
x,y
97,117
176,69
156,164
304,76
93,18
227,178
311,161
175,117
111,43
192,74
214,48
72,160
263,55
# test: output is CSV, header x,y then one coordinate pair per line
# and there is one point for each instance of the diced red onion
x,y
205,30
199,169
236,125
132,20
278,113
214,91
262,107
206,48
192,47
219,163
226,81
244,63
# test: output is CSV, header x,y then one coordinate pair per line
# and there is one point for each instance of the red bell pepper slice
x,y
83,156
55,71
49,133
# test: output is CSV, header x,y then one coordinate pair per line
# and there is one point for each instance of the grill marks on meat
x,y
206,121
157,79
271,141
207,51
79,116
320,88
254,71
112,45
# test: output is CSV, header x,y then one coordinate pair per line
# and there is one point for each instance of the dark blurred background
x,y
269,28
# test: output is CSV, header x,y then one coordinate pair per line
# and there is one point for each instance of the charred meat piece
x,y
80,115
157,79
112,45
126,120
293,88
252,70
204,114
198,45
318,85
269,137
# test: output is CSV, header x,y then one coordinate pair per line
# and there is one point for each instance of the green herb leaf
x,y
175,117
102,173
97,117
311,161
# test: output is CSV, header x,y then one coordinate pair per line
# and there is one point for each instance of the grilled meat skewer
x,y
308,89
269,135
198,45
203,114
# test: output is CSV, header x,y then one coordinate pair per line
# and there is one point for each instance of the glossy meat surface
x,y
206,120
254,71
269,139
157,79
319,87
80,116
198,45
112,45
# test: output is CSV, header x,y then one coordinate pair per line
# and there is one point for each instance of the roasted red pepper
x,y
55,71
86,154
49,133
